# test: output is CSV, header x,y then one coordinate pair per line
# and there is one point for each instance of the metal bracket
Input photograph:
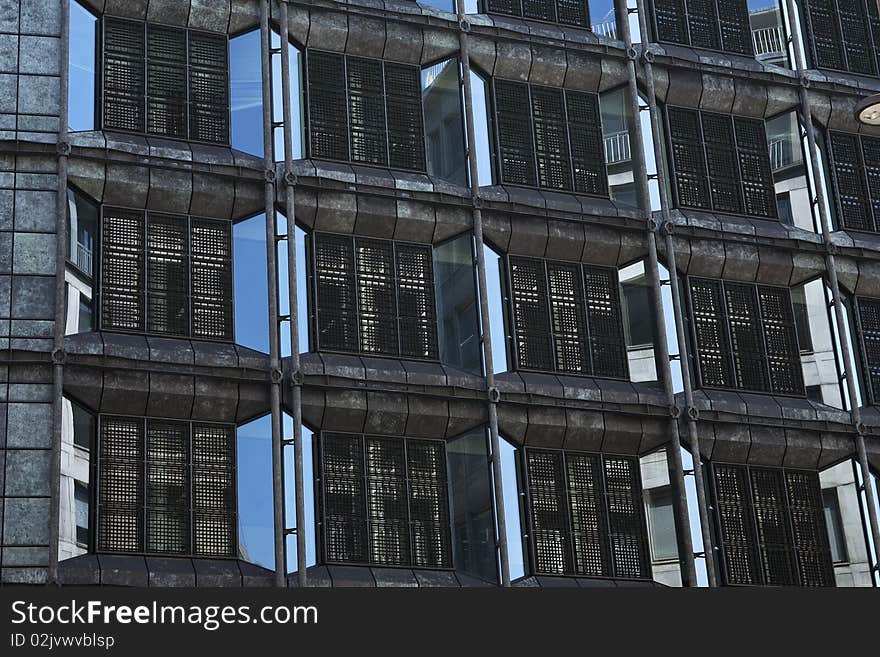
x,y
674,411
648,56
276,375
291,531
861,429
494,395
464,26
805,82
59,356
693,413
296,377
632,53
62,148
290,179
668,228
651,225
270,175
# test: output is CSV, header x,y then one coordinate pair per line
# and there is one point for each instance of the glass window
x,y
457,313
473,520
802,318
868,317
791,181
817,341
661,523
246,93
251,286
384,501
745,337
617,126
586,515
81,502
166,487
81,68
82,221
256,520
444,122
754,509
83,427
639,321
769,34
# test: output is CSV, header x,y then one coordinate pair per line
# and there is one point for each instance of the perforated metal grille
x,y
746,337
165,81
587,144
710,24
772,526
568,12
166,274
868,311
721,163
567,318
855,163
385,501
166,487
375,296
551,140
586,515
515,141
365,110
843,35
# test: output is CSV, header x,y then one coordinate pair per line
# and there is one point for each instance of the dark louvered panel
x,y
573,12
849,181
771,522
626,518
121,485
781,343
416,314
540,10
586,497
551,138
710,329
208,88
855,30
549,512
166,81
428,504
376,296
670,21
869,329
874,24
167,274
387,513
823,34
735,524
811,544
406,143
703,24
531,314
736,32
607,342
508,7
336,285
688,158
568,318
328,118
344,499
124,75
167,487
746,340
721,159
759,194
122,270
587,143
213,490
211,253
515,144
366,111
871,161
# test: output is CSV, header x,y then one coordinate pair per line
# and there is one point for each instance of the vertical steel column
x,y
275,376
824,216
685,541
486,338
691,411
292,296
62,147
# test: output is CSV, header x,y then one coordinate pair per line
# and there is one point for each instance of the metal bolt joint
x,y
296,377
290,179
674,411
62,148
270,175
59,356
494,395
276,375
693,413
668,228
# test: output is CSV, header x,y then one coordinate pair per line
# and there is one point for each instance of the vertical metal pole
x,y
292,296
275,377
692,415
491,390
685,541
831,269
61,244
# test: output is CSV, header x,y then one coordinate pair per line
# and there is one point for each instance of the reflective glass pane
x,y
845,522
816,342
769,36
617,131
790,177
246,93
255,510
637,299
251,284
456,294
444,123
81,68
473,521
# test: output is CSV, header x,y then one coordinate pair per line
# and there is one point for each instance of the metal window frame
x,y
606,546
144,422
99,90
725,319
321,503
98,276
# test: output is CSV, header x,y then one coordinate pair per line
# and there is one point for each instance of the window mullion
x,y
531,110
588,329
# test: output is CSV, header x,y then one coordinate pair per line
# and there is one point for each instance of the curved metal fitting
x,y
693,413
648,56
831,247
806,83
290,179
478,202
464,25
651,225
668,228
59,356
270,175
296,378
494,395
632,53
62,148
276,375
674,411
861,429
